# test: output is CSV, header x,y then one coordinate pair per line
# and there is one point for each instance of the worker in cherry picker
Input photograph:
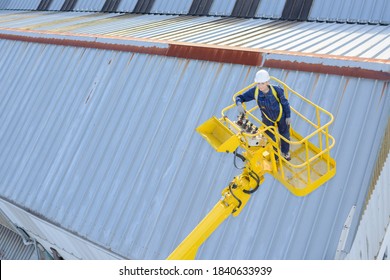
x,y
274,107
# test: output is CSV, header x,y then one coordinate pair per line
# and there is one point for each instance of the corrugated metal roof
x,y
351,11
306,37
222,7
89,5
270,9
56,5
171,7
103,143
357,11
13,248
127,6
19,5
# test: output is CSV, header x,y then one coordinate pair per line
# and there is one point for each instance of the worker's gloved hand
x,y
288,121
240,109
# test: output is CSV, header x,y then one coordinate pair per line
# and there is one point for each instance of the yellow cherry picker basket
x,y
311,164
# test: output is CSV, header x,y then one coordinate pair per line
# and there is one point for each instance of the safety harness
x,y
277,98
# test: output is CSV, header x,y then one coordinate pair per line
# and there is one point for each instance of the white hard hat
x,y
262,76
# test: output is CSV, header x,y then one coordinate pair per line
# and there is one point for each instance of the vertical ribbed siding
x,y
4,4
56,5
44,5
200,7
111,6
359,11
362,11
19,4
245,8
127,6
382,156
12,246
171,7
89,5
296,10
270,9
374,223
222,7
143,6
68,5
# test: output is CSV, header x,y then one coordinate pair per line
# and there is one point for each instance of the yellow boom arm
x,y
234,198
310,167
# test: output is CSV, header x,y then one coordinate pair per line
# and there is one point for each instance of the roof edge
x,y
378,69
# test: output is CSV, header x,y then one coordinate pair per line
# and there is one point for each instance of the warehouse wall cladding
x,y
360,11
99,105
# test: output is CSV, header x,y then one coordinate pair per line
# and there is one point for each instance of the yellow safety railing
x,y
311,163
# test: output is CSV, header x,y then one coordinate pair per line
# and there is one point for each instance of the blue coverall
x,y
269,105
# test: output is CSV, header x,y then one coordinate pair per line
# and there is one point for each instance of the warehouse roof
x,y
358,11
101,141
326,48
349,40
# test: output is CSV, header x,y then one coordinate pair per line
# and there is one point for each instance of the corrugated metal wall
x,y
56,5
127,6
103,144
171,7
270,9
13,248
375,221
89,5
354,11
19,5
222,7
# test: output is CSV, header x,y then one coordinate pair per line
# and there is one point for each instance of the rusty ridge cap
x,y
371,68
